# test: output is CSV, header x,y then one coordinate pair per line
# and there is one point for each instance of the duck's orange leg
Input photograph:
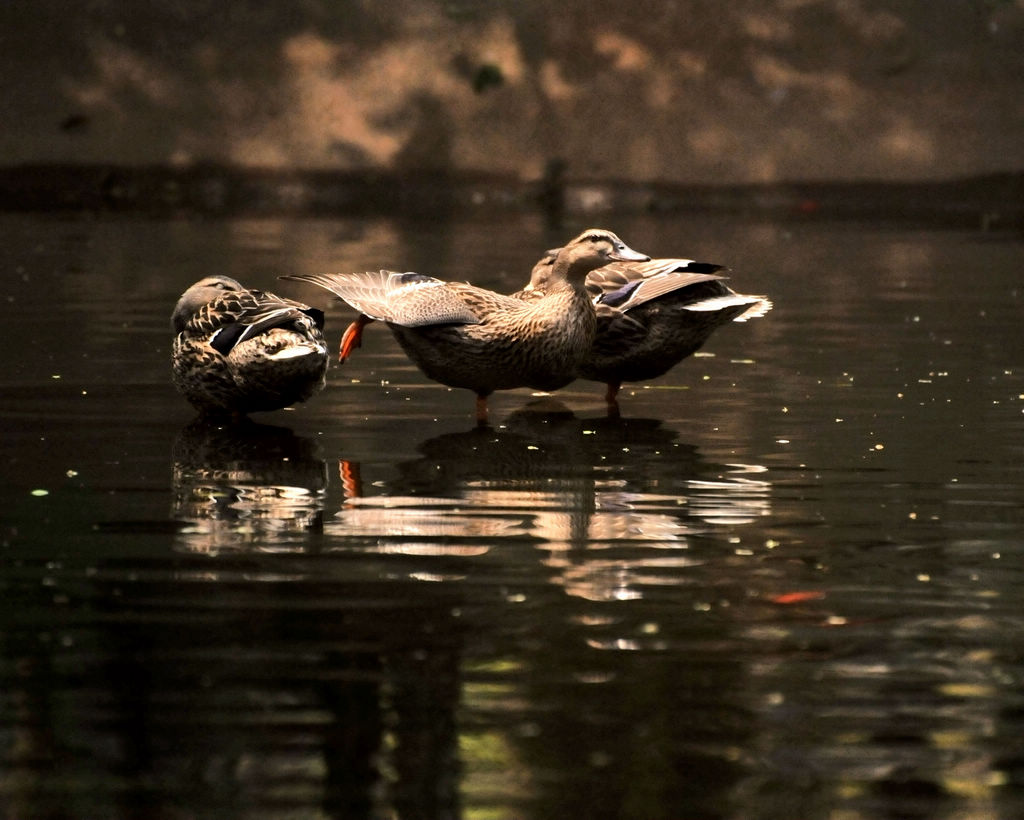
x,y
611,396
481,409
353,337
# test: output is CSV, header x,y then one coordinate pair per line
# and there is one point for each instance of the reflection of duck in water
x,y
545,442
240,485
571,482
239,351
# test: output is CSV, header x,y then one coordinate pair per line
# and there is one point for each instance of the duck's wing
x,y
486,304
407,299
617,330
366,292
241,315
633,292
625,285
628,284
652,267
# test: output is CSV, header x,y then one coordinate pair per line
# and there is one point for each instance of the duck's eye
x,y
596,237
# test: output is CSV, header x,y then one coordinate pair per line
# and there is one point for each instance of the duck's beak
x,y
624,253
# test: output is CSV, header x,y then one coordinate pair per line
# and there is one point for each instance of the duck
x,y
238,351
468,337
651,315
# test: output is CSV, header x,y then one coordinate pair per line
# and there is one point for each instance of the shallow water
x,y
785,584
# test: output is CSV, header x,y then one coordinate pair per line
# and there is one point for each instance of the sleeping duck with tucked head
x,y
238,351
468,337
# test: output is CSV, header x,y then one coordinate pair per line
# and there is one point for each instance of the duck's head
x,y
201,293
541,273
592,249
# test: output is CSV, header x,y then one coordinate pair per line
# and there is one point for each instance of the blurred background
x,y
752,92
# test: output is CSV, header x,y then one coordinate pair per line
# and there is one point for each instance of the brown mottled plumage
x,y
650,315
465,336
238,351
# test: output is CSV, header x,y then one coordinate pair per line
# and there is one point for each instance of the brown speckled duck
x,y
465,336
239,351
650,315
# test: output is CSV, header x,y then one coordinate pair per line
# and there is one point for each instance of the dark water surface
x,y
785,585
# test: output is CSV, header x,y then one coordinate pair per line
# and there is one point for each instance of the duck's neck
x,y
566,304
565,277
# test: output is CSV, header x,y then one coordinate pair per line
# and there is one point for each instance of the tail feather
x,y
756,310
758,305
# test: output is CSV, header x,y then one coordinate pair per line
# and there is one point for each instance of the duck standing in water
x,y
650,315
469,337
238,351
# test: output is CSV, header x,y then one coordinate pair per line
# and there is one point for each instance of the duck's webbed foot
x,y
353,337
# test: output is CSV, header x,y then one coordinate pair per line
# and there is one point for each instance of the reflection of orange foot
x,y
798,597
351,484
353,337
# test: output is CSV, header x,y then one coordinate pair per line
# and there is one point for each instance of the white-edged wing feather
x,y
408,299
